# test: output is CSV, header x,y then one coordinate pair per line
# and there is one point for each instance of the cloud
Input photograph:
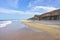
x,y
33,10
9,11
36,3
42,9
54,3
41,6
46,8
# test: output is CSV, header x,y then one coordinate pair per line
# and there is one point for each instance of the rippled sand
x,y
14,32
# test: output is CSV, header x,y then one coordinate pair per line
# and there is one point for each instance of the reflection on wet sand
x,y
18,31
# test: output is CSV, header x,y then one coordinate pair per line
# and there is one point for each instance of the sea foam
x,y
5,23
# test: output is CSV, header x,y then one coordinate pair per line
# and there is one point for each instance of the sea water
x,y
4,23
11,24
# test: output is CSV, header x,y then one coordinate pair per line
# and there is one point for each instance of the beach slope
x,y
54,31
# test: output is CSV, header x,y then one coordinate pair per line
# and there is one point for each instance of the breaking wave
x,y
5,23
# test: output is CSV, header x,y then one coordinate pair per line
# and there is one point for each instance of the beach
x,y
51,28
17,30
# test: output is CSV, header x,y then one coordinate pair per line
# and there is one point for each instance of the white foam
x,y
5,23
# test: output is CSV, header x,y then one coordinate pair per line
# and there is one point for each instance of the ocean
x,y
4,23
10,23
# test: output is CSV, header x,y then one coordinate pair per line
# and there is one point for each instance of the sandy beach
x,y
18,31
50,29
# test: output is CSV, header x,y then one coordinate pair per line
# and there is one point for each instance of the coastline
x,y
18,31
50,29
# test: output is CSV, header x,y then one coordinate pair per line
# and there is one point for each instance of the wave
x,y
5,23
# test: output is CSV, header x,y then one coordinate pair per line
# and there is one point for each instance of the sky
x,y
24,9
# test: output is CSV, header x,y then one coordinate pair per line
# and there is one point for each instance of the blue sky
x,y
24,9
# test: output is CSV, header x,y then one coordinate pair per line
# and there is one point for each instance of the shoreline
x,y
18,31
54,31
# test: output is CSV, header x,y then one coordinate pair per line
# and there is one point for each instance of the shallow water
x,y
15,30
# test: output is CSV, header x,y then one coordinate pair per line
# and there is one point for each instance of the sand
x,y
19,31
55,32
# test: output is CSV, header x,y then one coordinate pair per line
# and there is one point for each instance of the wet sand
x,y
50,29
19,31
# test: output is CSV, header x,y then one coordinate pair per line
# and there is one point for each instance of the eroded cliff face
x,y
53,15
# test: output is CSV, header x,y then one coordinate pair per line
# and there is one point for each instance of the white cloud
x,y
32,11
34,3
40,8
46,8
36,7
9,11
